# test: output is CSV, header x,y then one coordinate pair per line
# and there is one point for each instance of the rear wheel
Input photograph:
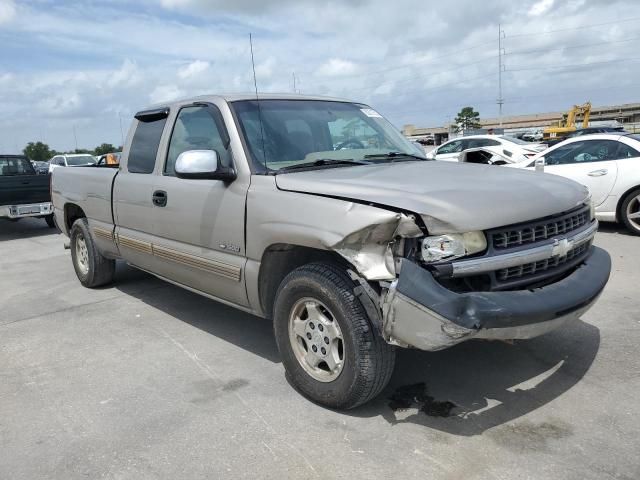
x,y
92,268
630,211
331,350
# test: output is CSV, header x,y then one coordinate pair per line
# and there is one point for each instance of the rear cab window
x,y
15,166
146,141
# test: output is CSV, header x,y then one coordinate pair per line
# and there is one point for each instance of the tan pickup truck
x,y
316,213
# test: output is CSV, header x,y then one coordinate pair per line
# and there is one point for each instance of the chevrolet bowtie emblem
x,y
562,247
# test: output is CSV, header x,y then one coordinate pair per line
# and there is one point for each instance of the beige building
x,y
627,114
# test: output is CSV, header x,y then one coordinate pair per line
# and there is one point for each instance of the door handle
x,y
598,173
159,198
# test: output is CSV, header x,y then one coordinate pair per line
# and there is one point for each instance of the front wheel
x,y
92,268
630,212
332,352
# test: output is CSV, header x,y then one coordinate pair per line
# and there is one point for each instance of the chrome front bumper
x,y
27,210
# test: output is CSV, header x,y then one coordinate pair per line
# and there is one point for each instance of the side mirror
x,y
202,164
540,163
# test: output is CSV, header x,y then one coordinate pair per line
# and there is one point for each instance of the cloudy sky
x,y
90,65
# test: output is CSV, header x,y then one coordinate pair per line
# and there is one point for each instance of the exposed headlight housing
x,y
452,245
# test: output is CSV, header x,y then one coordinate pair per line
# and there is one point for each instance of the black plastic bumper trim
x,y
513,308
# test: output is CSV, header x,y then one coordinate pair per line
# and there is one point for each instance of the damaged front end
x,y
373,249
403,285
419,312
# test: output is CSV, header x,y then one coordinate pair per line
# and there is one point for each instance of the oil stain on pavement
x,y
416,396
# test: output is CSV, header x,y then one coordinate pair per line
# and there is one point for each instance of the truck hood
x,y
450,197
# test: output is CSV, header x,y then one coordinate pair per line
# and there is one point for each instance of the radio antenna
x,y
255,85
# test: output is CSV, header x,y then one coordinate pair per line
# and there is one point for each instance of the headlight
x,y
592,208
453,245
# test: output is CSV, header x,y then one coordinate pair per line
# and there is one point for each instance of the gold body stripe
x,y
134,244
103,233
225,270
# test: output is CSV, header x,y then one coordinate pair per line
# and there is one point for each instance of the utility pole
x,y
500,70
75,137
295,90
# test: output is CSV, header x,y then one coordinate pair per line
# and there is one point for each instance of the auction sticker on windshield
x,y
370,112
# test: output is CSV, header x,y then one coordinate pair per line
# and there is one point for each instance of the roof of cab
x,y
236,97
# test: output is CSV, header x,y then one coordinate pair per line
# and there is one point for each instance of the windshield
x,y
302,131
515,140
81,160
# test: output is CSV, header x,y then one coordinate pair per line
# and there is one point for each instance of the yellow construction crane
x,y
568,123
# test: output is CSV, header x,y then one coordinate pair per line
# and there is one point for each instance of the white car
x,y
71,160
608,164
511,148
533,136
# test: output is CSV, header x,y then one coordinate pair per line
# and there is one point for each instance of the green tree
x,y
467,119
38,151
104,148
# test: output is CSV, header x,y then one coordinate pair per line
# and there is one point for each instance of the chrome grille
x,y
536,231
547,265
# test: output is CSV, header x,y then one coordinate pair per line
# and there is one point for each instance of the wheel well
x,y
72,212
621,201
281,259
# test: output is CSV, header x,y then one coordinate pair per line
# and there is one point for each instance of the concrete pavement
x,y
144,380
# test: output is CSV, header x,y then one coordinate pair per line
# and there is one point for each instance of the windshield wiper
x,y
321,162
395,155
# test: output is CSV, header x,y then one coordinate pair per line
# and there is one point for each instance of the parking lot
x,y
146,380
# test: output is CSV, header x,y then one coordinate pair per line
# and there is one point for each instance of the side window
x,y
144,146
482,142
453,147
195,129
586,151
625,151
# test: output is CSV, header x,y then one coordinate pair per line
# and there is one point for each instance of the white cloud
x,y
6,78
193,69
416,65
7,11
127,75
264,70
336,67
540,7
61,103
165,93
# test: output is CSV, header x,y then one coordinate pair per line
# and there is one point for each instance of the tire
x,y
631,206
50,221
324,294
92,268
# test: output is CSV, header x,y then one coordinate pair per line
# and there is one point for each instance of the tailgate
x,y
23,189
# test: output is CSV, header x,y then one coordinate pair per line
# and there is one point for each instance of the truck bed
x,y
87,187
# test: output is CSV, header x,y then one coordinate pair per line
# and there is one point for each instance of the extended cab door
x,y
589,162
198,226
133,190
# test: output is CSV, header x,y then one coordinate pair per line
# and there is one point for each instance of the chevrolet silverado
x,y
319,215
